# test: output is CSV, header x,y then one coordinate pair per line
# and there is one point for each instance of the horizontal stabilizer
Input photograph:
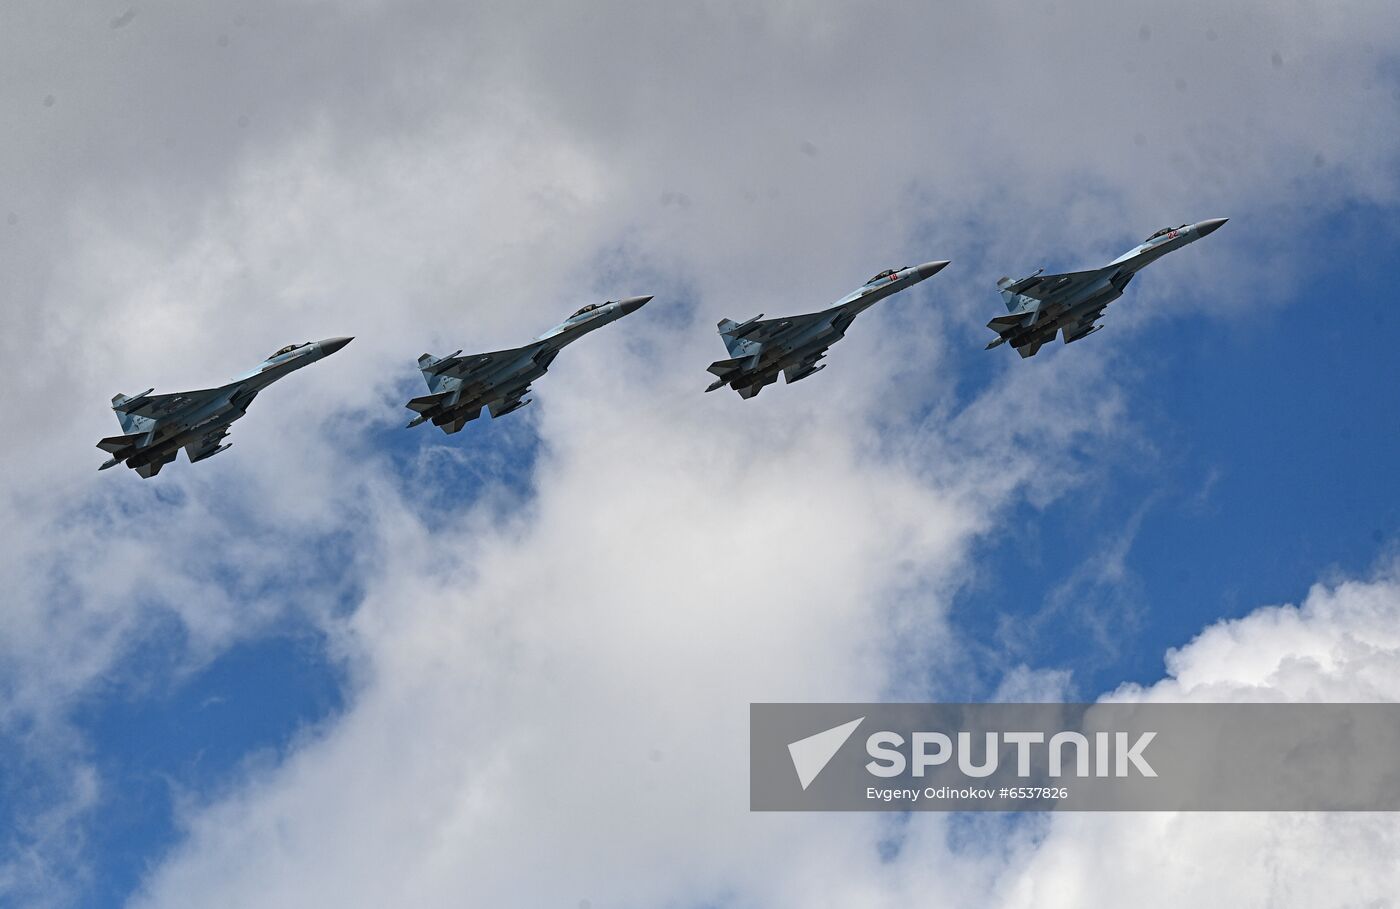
x,y
724,368
427,402
117,444
1010,322
429,405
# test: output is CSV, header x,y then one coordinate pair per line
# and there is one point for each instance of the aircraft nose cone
x,y
632,304
929,269
1206,227
331,345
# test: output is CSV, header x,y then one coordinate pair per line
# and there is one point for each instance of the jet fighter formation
x,y
1038,307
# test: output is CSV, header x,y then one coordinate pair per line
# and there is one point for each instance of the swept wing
x,y
462,367
764,330
158,407
1047,287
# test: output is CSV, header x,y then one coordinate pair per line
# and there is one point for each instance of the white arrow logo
x,y
812,754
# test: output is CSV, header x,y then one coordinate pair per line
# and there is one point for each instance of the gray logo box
x,y
1074,757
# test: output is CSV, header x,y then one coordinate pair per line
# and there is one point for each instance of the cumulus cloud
x,y
194,188
1340,644
521,788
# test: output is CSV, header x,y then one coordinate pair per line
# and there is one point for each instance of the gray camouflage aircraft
x,y
759,350
156,427
460,386
1040,305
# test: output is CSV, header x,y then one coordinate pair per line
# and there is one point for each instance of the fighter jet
x,y
760,349
1040,305
156,427
460,386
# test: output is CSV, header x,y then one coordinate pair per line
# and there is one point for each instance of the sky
x,y
349,664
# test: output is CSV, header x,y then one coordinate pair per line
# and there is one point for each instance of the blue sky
x,y
1268,434
196,735
330,666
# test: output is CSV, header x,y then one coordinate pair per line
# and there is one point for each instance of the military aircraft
x,y
759,349
158,426
460,386
1040,305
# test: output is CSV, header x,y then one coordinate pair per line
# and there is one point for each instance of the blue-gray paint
x,y
1040,305
156,427
760,349
459,387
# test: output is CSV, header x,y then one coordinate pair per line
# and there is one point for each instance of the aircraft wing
x,y
766,330
159,406
1047,287
463,366
208,445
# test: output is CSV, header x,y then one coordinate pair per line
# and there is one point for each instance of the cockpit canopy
x,y
589,308
1163,232
288,349
884,274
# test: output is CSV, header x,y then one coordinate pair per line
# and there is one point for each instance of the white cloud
x,y
522,789
1341,644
